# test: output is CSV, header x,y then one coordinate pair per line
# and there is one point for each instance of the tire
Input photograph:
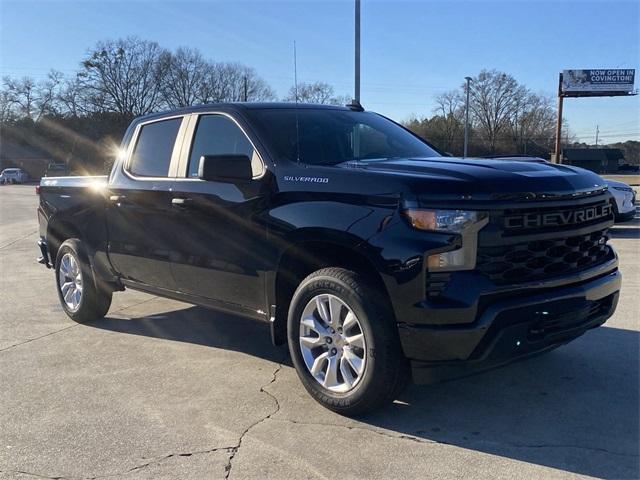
x,y
352,387
73,270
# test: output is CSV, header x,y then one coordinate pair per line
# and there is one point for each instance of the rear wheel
x,y
80,297
344,342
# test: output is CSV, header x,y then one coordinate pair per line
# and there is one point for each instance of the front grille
x,y
534,220
542,259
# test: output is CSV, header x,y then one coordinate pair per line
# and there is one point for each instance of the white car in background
x,y
13,175
625,197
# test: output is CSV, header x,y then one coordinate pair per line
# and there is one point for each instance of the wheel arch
x,y
57,232
306,255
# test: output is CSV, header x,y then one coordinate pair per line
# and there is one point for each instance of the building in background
x,y
30,159
599,160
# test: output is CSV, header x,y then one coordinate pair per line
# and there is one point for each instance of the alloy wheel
x,y
70,281
332,343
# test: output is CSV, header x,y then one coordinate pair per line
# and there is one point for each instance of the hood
x,y
488,178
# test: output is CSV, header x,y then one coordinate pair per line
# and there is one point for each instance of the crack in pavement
x,y
577,447
236,448
13,242
38,338
161,459
456,444
233,450
32,474
131,470
70,326
370,430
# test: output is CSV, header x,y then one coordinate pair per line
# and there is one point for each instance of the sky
x,y
411,51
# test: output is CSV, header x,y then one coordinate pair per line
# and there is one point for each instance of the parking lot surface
x,y
162,389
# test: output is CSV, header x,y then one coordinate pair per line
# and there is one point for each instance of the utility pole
x,y
245,88
466,120
558,158
597,134
295,75
357,53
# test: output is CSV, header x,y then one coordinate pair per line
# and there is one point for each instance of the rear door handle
x,y
181,202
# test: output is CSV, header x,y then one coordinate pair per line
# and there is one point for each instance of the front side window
x,y
218,135
153,150
331,136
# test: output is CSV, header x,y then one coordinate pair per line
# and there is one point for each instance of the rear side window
x,y
152,154
217,135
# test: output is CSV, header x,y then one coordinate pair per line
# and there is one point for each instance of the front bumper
x,y
510,324
626,217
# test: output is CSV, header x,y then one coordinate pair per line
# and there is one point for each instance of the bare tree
x,y
533,121
450,112
47,94
493,100
22,94
125,75
185,79
315,92
7,102
28,99
73,98
233,82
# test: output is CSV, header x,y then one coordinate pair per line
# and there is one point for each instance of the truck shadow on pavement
x,y
574,409
201,326
630,229
625,232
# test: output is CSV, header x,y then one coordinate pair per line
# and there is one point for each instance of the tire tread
x,y
95,300
392,371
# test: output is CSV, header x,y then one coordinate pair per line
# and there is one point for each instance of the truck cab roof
x,y
242,106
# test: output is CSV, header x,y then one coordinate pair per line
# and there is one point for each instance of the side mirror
x,y
225,168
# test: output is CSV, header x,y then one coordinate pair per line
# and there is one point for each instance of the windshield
x,y
329,137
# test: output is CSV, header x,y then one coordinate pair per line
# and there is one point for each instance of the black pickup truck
x,y
373,255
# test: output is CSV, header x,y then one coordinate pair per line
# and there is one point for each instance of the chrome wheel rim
x,y
332,343
70,281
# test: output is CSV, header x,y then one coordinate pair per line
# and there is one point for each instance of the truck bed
x,y
52,183
74,207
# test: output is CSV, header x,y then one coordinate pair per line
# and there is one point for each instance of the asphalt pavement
x,y
162,389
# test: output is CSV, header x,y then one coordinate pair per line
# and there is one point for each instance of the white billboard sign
x,y
594,81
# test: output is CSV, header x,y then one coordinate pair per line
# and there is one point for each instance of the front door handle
x,y
117,199
181,202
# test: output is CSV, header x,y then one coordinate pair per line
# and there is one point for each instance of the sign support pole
x,y
357,53
558,149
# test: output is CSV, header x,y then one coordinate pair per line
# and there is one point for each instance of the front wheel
x,y
344,343
80,297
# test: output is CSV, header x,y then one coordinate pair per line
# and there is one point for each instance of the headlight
x,y
623,189
453,221
466,223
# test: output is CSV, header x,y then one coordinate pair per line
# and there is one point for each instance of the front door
x,y
222,228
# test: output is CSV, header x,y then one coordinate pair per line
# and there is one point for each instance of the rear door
x,y
143,227
222,224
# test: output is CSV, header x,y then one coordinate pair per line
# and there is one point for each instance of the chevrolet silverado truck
x,y
374,256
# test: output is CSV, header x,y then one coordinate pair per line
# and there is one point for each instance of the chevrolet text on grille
x,y
566,217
